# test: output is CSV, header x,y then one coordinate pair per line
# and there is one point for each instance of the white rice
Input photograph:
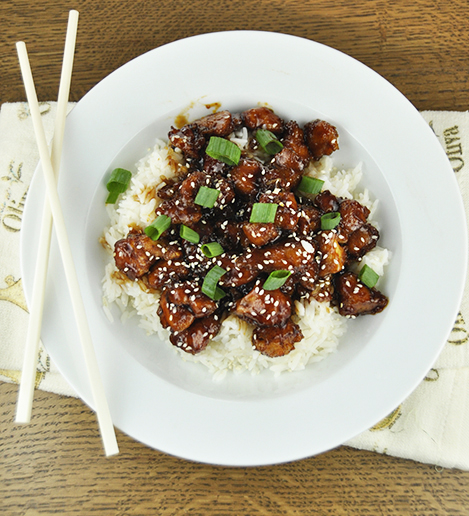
x,y
231,349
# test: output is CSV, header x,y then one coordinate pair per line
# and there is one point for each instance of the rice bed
x,y
231,349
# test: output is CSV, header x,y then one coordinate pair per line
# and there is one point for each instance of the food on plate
x,y
240,243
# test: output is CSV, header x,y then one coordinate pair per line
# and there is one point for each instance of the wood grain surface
x,y
55,465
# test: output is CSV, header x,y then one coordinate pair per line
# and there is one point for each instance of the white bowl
x,y
175,406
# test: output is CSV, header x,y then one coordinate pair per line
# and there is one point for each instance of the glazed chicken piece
x,y
168,191
195,338
284,178
227,193
187,214
353,215
166,272
227,230
295,154
135,254
260,234
275,341
309,220
180,207
263,117
362,240
216,124
286,167
287,158
321,138
294,139
213,168
245,176
211,177
189,140
263,307
355,298
200,264
289,287
295,256
189,188
286,218
326,201
309,277
323,290
334,255
241,269
180,305
229,234
287,214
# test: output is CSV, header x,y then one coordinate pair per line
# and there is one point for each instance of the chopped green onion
x,y
223,150
206,196
117,184
276,279
219,294
330,220
158,227
212,249
310,185
210,285
368,276
112,197
268,141
263,212
189,234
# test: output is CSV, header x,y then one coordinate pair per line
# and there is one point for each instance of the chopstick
x,y
27,389
28,375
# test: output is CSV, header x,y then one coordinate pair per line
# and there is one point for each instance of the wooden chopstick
x,y
97,389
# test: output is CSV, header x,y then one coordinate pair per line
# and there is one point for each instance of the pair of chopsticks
x,y
53,213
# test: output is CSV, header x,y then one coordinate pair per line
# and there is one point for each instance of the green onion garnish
x,y
223,150
310,185
263,212
268,141
189,234
206,196
210,285
158,227
276,279
117,184
112,197
330,220
368,276
212,249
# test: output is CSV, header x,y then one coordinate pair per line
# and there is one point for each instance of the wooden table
x,y
56,465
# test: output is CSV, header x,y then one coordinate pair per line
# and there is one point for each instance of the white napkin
x,y
18,159
431,426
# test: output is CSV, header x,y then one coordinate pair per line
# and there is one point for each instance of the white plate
x,y
175,406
